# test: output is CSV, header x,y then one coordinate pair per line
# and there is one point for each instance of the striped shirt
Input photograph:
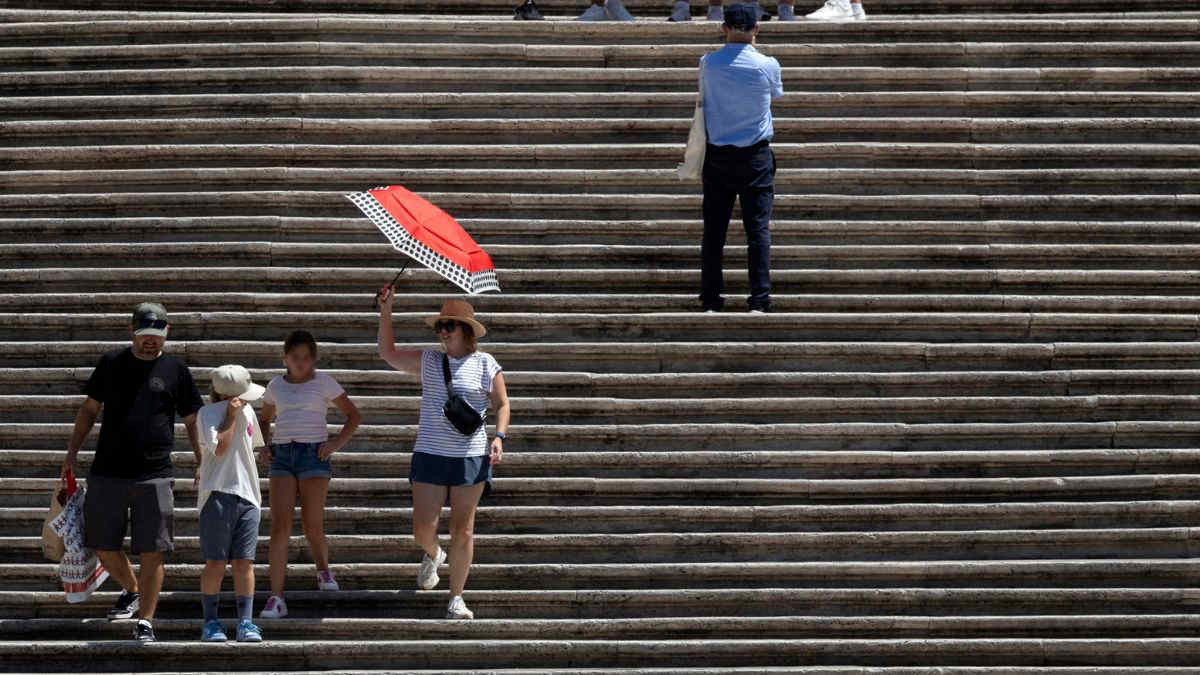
x,y
471,377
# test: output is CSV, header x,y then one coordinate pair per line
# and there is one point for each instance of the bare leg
x,y
150,581
312,514
427,508
283,506
463,502
210,578
119,569
243,577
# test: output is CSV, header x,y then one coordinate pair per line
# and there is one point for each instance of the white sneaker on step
x,y
427,576
275,608
834,10
325,581
594,13
616,11
458,609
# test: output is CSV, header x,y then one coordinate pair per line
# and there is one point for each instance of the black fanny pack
x,y
461,414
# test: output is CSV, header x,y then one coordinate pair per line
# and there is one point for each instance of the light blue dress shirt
x,y
739,84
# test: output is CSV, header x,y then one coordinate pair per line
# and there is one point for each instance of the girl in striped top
x,y
446,462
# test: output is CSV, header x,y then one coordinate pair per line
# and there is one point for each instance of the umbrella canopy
x,y
429,235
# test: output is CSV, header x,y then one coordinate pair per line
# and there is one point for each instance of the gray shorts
x,y
147,507
228,527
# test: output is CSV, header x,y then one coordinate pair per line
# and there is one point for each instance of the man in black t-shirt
x,y
141,391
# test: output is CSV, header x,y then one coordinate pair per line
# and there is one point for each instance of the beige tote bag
x,y
692,167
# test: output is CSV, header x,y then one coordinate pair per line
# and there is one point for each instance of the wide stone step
x,y
628,604
602,303
1020,128
395,491
627,519
554,256
125,656
1063,573
731,325
769,409
848,181
893,436
1112,205
1136,286
124,28
67,381
483,79
542,106
674,357
571,9
1052,160
979,627
582,231
330,53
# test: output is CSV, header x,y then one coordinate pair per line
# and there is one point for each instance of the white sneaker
x,y
275,608
325,581
716,13
682,11
859,14
427,577
788,12
458,609
594,13
616,11
834,10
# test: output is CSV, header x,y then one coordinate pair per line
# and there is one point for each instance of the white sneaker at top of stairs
x,y
833,10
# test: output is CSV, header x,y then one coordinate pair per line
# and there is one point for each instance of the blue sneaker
x,y
213,632
248,632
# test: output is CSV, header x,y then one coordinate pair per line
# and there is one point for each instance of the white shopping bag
x,y
692,167
80,569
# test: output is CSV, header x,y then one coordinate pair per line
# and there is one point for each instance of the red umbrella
x,y
429,235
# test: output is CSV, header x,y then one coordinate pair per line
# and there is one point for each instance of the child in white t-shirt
x,y
300,447
228,498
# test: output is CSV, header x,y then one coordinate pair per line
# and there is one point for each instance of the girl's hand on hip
x,y
326,449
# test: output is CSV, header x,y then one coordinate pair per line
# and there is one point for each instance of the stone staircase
x,y
964,443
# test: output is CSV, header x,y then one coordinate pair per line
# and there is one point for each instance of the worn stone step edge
x,y
1105,573
199,301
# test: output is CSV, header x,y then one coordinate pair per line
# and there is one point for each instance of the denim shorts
x,y
451,471
228,527
298,460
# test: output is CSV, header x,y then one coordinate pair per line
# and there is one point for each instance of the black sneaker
x,y
528,12
126,607
143,631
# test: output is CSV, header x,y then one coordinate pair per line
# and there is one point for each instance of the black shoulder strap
x,y
446,374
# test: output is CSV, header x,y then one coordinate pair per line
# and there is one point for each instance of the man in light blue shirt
x,y
738,84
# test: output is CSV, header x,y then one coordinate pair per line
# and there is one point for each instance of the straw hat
x,y
458,310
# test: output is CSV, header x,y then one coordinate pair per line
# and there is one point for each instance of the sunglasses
x,y
157,324
448,326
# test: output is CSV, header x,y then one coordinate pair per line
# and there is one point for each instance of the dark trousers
x,y
748,174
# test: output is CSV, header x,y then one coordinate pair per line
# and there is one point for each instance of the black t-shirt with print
x,y
141,399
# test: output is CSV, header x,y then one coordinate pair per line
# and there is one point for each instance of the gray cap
x,y
234,380
150,319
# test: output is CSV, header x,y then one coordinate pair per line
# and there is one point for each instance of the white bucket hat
x,y
233,380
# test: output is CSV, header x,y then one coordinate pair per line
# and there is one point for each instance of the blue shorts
x,y
298,460
228,527
451,471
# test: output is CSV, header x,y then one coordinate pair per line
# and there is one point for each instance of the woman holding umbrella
x,y
452,457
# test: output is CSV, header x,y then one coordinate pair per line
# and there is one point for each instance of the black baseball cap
x,y
741,17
